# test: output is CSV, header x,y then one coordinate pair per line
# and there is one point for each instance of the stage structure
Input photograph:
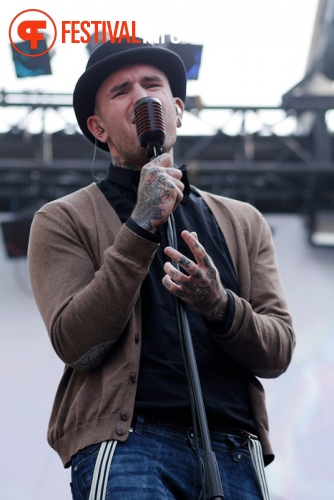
x,y
281,159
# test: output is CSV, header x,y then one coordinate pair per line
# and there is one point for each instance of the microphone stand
x,y
211,470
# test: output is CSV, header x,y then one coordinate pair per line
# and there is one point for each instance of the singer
x,y
106,281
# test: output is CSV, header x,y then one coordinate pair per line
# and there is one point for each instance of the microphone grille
x,y
149,122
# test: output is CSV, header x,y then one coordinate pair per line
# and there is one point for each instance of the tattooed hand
x,y
159,193
201,287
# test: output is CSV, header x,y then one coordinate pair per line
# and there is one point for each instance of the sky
x,y
253,50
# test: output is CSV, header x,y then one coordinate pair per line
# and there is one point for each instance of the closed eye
x,y
119,94
119,90
154,85
151,82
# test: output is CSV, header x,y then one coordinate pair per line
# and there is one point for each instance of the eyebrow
x,y
118,87
145,79
153,78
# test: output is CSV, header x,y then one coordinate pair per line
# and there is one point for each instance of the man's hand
x,y
201,287
159,193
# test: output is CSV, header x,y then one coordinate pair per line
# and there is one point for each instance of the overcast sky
x,y
253,50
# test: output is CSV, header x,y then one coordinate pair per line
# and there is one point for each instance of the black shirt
x,y
162,385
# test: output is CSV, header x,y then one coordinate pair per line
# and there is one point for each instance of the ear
x,y
95,127
179,109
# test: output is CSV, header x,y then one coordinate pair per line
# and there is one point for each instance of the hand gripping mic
x,y
150,125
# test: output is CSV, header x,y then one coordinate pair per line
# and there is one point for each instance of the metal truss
x,y
278,158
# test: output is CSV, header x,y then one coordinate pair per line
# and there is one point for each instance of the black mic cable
x,y
151,136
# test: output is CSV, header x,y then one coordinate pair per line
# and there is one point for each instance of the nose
x,y
139,92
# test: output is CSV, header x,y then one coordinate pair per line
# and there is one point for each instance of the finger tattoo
x,y
197,275
185,262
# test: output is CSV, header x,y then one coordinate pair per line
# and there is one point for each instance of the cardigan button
x,y
120,430
137,337
124,415
133,377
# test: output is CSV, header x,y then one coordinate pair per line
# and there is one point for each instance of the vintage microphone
x,y
150,127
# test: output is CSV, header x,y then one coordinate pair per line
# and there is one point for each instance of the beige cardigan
x,y
86,269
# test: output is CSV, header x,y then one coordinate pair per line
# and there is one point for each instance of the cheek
x,y
170,115
170,127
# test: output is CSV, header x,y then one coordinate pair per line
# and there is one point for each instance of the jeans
x,y
158,462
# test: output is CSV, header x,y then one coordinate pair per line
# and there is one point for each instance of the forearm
x,y
262,342
258,331
85,309
97,315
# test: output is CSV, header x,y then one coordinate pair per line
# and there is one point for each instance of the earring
x,y
178,114
100,130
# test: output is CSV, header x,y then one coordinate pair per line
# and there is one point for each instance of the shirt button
x,y
120,430
133,376
124,415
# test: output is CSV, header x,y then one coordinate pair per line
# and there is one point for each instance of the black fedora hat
x,y
108,58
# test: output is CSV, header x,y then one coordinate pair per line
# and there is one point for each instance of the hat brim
x,y
90,81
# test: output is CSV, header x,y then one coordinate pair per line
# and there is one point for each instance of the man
x,y
101,272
